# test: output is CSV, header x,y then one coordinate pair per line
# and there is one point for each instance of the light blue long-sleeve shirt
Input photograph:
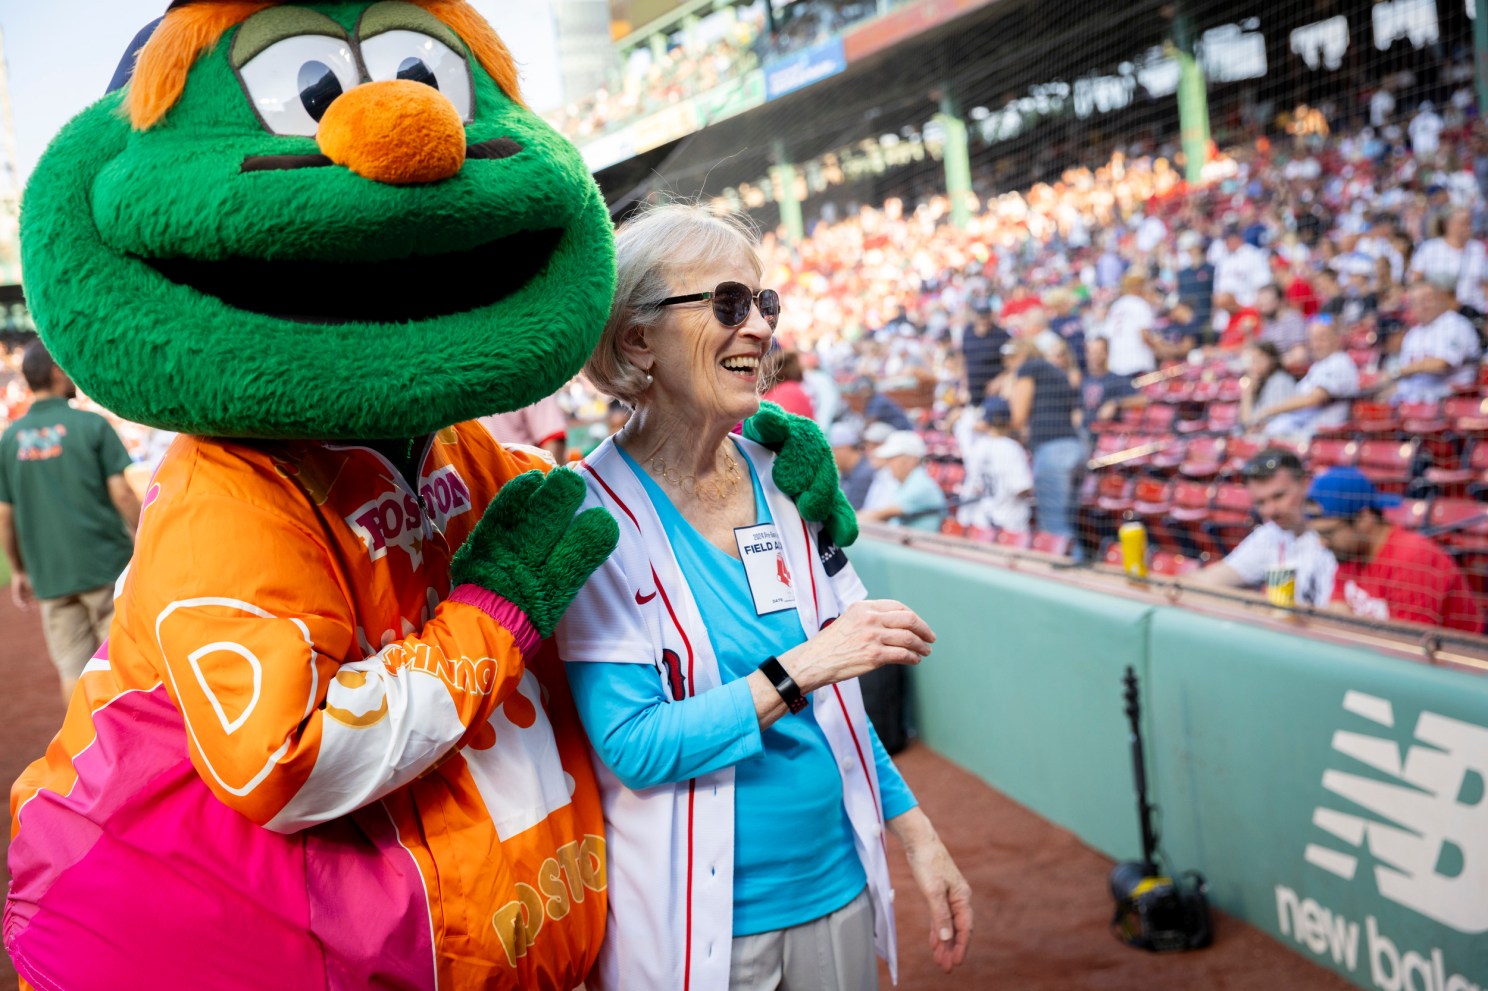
x,y
794,858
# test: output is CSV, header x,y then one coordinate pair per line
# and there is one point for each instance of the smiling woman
x,y
714,659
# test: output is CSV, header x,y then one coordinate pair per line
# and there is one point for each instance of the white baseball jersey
x,y
671,863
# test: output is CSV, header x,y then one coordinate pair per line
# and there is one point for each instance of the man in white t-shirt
x,y
1128,325
1240,270
998,490
1322,397
1381,107
1425,133
1455,259
1440,351
1278,490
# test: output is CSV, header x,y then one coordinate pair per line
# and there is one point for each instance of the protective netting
x,y
1102,341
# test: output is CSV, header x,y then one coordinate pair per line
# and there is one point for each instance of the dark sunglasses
x,y
731,302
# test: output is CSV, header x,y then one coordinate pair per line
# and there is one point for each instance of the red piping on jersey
x,y
872,792
618,501
691,690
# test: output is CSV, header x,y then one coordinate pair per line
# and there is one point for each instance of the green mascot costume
x,y
325,746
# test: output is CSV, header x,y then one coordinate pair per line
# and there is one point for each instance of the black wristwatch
x,y
790,692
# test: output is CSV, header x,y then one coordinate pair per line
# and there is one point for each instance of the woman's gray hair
x,y
650,249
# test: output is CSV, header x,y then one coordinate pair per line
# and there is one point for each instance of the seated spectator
x,y
784,369
1455,260
997,493
1277,485
1103,392
853,467
1175,335
1128,327
1265,383
1441,349
1356,300
1196,280
1281,325
1323,395
909,497
865,405
1385,571
1240,270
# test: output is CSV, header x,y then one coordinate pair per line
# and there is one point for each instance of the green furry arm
x,y
804,469
530,549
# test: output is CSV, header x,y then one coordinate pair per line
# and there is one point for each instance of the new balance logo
x,y
1428,833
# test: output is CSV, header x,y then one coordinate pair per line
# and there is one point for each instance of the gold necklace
x,y
714,490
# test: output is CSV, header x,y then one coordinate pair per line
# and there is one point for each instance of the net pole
x,y
1480,52
957,160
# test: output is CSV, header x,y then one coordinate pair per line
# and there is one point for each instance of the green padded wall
x,y
1335,797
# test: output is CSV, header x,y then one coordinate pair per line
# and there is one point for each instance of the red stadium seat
x,y
1238,452
951,527
1230,520
1232,504
1050,543
1388,463
1167,460
1204,457
1460,522
1324,452
1112,555
1114,493
1152,497
1173,565
1191,501
1453,482
1411,514
1008,538
1159,419
1229,391
1109,444
1224,417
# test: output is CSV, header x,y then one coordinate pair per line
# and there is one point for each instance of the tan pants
x,y
75,625
833,953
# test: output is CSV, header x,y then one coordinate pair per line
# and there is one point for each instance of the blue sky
x,y
61,54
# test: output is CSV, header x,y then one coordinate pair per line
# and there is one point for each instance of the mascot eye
x,y
416,56
293,82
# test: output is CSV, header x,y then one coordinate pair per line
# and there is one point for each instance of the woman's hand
x,y
941,883
868,635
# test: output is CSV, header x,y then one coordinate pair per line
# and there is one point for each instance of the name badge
x,y
763,554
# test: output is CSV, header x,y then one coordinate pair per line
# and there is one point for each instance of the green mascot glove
x,y
805,470
530,549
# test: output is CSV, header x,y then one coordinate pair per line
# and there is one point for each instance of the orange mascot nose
x,y
397,131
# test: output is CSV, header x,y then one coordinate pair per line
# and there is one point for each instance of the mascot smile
x,y
326,745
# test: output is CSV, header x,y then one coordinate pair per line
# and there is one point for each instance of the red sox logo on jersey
x,y
781,571
671,667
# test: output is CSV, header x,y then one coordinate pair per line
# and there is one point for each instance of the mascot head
x,y
316,220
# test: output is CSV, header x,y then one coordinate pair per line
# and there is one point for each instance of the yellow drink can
x,y
1133,537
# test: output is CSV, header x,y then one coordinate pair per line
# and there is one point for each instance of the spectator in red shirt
x,y
1385,572
788,392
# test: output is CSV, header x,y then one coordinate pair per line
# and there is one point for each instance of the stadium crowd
x,y
701,54
1116,345
1320,296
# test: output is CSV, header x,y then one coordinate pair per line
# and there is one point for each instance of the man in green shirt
x,y
67,515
